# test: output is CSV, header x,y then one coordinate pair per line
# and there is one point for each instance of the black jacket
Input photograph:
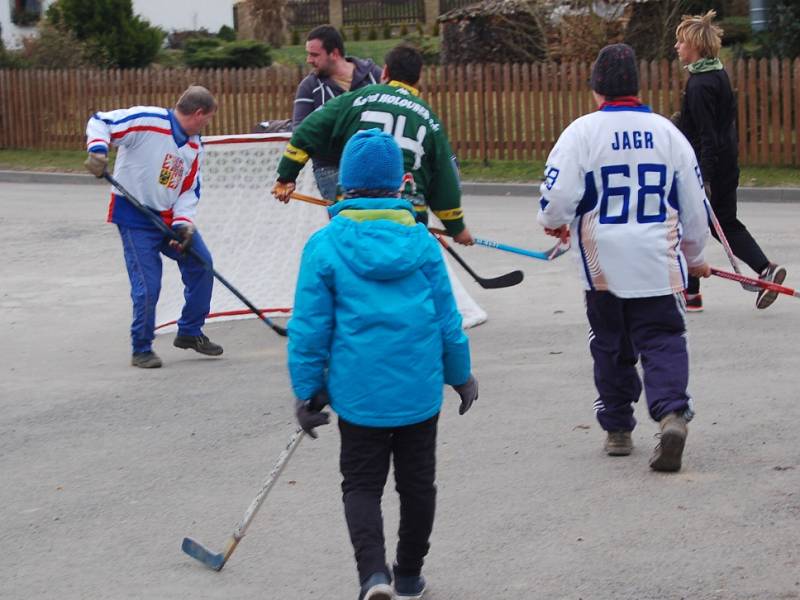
x,y
708,120
315,91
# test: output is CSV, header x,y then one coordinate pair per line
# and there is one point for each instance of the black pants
x,y
723,201
364,462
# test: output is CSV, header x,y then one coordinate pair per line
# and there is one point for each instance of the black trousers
x,y
723,201
364,462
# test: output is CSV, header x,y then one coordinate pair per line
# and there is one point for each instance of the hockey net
x,y
255,240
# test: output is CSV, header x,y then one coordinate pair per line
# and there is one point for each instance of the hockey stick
x,y
549,254
310,199
217,560
724,241
507,280
758,283
172,235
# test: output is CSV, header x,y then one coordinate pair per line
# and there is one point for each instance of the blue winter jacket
x,y
374,318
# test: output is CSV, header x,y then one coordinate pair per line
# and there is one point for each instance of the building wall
x,y
12,35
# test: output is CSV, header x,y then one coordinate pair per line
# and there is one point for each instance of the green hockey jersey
x,y
398,110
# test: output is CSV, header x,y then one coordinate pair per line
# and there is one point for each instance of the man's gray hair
x,y
195,98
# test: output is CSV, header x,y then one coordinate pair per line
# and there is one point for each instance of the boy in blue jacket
x,y
372,301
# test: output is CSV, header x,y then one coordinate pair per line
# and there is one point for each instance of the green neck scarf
x,y
704,65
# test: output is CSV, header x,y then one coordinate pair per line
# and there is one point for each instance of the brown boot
x,y
668,453
618,443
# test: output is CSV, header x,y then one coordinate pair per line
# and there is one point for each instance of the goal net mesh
x,y
256,241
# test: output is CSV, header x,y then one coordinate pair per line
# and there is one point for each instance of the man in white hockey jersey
x,y
158,161
624,183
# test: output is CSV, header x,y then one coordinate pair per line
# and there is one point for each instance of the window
x,y
26,13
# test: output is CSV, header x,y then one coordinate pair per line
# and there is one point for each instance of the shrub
x,y
420,29
226,34
55,48
176,40
435,29
239,54
295,37
387,31
113,34
737,31
428,47
356,33
403,30
372,34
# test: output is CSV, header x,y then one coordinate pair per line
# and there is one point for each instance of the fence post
x,y
432,9
336,12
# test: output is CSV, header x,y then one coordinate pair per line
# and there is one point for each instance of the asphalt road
x,y
105,468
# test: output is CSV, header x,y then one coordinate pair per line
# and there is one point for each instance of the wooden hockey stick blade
x,y
765,285
503,281
310,199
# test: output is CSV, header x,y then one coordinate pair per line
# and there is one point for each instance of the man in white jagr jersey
x,y
624,183
159,161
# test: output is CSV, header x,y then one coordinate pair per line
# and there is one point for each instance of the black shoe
x,y
198,343
774,274
376,587
410,587
145,360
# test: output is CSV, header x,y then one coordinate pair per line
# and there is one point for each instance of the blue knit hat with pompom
x,y
371,160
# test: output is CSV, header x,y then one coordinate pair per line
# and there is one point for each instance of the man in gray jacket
x,y
332,74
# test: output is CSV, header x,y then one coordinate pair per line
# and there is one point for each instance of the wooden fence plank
x,y
784,126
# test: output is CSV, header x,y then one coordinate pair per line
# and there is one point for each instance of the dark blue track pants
x,y
143,249
624,330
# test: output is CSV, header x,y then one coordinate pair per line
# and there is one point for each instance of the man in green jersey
x,y
395,107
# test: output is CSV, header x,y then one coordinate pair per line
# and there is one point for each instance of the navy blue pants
x,y
143,249
624,330
364,462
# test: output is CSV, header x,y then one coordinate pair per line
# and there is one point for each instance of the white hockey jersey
x,y
156,162
627,182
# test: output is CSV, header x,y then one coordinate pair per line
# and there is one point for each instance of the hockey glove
x,y
310,415
185,233
282,190
468,392
96,164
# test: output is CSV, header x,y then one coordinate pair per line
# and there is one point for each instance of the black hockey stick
x,y
172,235
507,280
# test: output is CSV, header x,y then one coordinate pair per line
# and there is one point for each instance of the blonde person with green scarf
x,y
708,120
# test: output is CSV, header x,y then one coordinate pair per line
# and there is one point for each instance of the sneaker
x,y
145,360
409,586
376,587
198,343
694,302
774,274
668,453
618,443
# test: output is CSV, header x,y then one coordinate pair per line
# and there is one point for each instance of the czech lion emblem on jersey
x,y
171,171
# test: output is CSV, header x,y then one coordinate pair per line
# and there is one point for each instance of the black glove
x,y
309,413
468,392
185,233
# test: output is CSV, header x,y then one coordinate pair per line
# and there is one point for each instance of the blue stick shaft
x,y
514,249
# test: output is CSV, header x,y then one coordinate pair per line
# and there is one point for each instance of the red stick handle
x,y
767,285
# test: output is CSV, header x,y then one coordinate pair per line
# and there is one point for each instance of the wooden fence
x,y
490,111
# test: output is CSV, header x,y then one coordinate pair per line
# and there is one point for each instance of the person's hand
x,y
707,189
282,190
561,232
468,392
186,233
702,270
464,238
96,163
309,413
